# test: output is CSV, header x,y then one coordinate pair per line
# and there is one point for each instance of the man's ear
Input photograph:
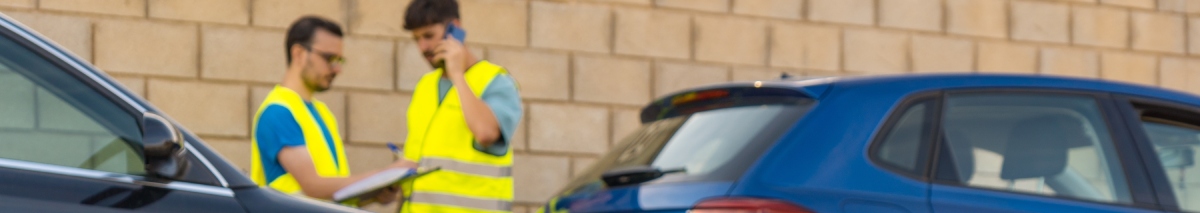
x,y
457,23
299,58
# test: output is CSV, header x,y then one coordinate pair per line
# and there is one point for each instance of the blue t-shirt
x,y
502,97
276,129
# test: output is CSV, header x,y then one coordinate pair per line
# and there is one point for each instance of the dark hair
x,y
304,29
422,13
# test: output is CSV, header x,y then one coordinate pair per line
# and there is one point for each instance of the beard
x,y
435,64
313,80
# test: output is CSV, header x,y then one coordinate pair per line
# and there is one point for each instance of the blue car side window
x,y
1044,144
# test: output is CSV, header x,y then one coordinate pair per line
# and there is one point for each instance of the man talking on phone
x,y
461,118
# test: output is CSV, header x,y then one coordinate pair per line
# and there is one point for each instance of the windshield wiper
x,y
634,175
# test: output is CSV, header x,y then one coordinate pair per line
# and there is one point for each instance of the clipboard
x,y
368,187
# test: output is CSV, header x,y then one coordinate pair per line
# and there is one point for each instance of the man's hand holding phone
x,y
450,54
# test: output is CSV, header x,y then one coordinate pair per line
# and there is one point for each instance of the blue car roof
x,y
815,87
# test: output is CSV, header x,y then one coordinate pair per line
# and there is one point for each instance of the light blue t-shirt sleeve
x,y
504,100
275,130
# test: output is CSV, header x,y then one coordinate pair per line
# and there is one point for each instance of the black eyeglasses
x,y
333,59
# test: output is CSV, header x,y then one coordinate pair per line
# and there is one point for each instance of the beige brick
x,y
134,84
580,165
369,64
411,65
538,177
1188,6
1132,68
800,46
911,14
731,40
382,208
986,18
625,122
580,27
522,209
541,74
1101,26
568,128
1194,36
755,74
205,108
824,74
377,118
519,141
366,158
611,80
496,21
111,7
242,54
1158,32
701,5
1180,74
281,13
18,3
145,47
219,11
1144,4
876,52
334,100
671,77
70,32
1040,21
653,33
935,54
629,2
1007,58
842,11
236,152
1070,62
787,9
379,17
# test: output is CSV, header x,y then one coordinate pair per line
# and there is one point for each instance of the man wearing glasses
x,y
296,148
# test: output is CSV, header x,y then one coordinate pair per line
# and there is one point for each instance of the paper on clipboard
x,y
368,187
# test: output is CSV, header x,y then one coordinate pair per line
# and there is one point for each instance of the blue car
x,y
924,143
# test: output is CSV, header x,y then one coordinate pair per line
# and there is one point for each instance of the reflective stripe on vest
x,y
314,141
470,180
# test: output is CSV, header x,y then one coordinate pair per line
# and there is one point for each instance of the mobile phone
x,y
458,33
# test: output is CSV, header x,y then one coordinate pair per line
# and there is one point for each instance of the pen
x,y
395,150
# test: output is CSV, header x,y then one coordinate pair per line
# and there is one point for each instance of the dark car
x,y
72,140
921,143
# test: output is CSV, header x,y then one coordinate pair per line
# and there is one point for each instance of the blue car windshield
x,y
712,145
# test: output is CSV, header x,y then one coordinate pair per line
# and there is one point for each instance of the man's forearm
x,y
478,115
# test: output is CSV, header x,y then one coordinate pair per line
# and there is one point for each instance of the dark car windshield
x,y
712,145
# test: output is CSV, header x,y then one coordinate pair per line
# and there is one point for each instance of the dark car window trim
x,y
51,51
112,177
1129,159
67,62
1157,175
933,112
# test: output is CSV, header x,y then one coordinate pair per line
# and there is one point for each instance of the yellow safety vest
x,y
314,140
470,180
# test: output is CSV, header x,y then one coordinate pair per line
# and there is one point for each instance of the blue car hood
x,y
673,197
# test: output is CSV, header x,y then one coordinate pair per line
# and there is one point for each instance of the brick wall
x,y
586,66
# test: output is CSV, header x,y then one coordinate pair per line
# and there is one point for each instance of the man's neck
x,y
291,80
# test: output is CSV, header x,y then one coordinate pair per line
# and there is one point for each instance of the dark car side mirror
x,y
163,147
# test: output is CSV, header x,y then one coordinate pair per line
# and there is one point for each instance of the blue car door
x,y
1036,151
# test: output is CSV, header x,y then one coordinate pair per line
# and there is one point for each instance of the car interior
x,y
1046,145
